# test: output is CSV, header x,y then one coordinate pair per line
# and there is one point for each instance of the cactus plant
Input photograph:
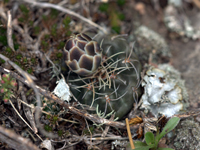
x,y
114,85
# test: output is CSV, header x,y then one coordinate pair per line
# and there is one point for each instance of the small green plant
x,y
121,2
6,86
104,7
48,128
152,141
115,16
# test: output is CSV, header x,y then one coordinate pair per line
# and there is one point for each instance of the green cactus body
x,y
112,86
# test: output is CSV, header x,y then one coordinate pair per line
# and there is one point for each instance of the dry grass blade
x,y
28,112
9,31
129,134
135,120
23,119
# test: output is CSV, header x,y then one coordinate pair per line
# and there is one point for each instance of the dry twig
x,y
9,31
60,8
30,83
197,3
129,134
28,112
16,141
33,107
23,119
66,105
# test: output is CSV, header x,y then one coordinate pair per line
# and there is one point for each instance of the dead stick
x,y
66,105
129,134
9,31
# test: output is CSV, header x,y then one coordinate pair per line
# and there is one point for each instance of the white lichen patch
x,y
163,91
175,95
62,90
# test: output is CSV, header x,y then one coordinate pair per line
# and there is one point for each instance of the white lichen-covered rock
x,y
176,21
62,90
164,91
151,44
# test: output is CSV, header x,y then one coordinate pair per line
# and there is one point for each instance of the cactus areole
x,y
108,78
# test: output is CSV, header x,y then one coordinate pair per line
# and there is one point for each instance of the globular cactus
x,y
82,54
114,86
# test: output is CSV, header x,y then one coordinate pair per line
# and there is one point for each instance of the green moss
x,y
103,7
23,49
116,29
24,9
68,33
16,46
47,109
2,61
44,44
121,16
3,30
47,36
59,55
48,116
30,23
9,50
17,63
54,13
55,118
61,45
47,128
3,37
25,60
60,133
29,92
21,19
19,56
44,17
114,19
54,30
5,1
121,2
14,37
3,40
33,60
25,14
87,132
66,22
36,30
30,70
